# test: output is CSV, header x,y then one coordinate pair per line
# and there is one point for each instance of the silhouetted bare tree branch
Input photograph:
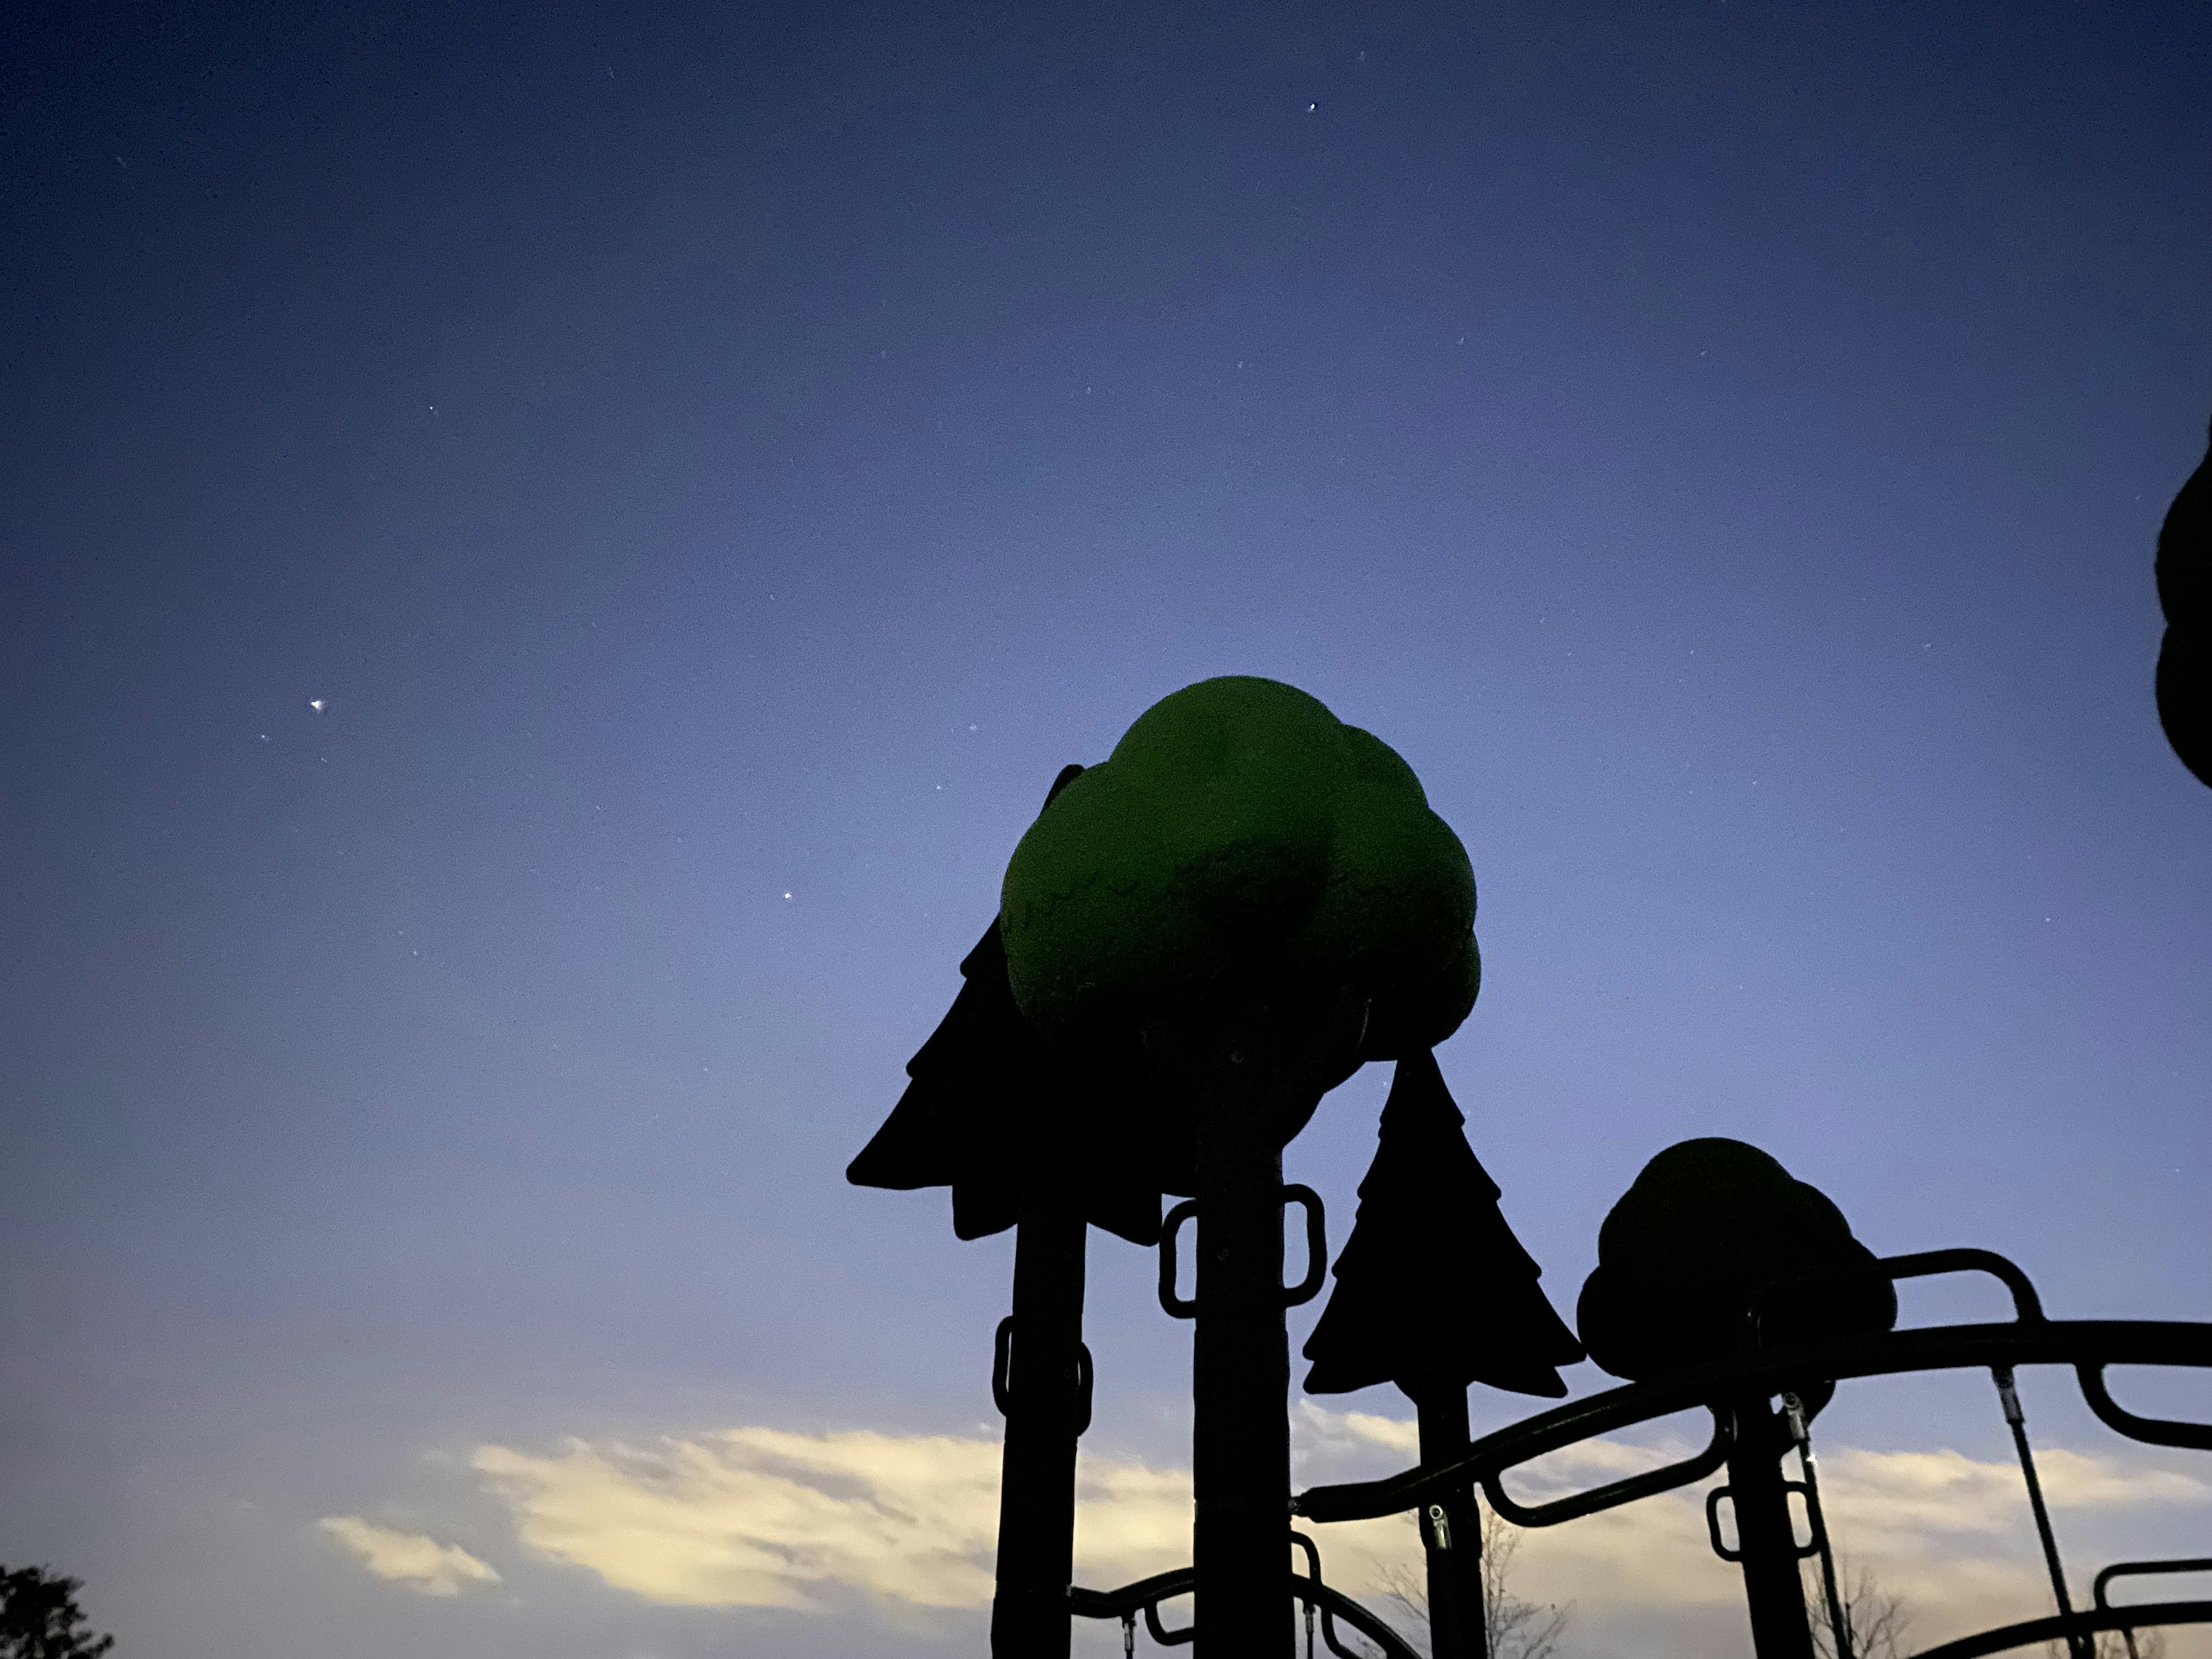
x,y
1518,1629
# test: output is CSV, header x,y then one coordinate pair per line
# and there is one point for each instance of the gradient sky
x,y
552,552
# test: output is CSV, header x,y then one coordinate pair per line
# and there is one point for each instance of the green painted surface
x,y
1240,834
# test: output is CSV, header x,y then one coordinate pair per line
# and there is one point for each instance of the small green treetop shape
x,y
1241,835
1709,1225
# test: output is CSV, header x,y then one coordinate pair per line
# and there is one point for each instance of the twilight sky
x,y
552,552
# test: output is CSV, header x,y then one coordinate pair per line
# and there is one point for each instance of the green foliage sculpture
x,y
1197,939
1714,1245
1709,1225
1240,834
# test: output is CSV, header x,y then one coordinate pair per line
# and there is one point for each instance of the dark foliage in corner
x,y
40,1617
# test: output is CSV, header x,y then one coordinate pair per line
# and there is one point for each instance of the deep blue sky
x,y
715,464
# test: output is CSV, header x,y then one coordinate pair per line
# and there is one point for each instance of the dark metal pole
x,y
2007,1396
1240,1365
1038,1376
1765,1537
1451,1533
1839,1623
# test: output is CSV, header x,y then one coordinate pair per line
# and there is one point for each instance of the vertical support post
x,y
1451,1532
1030,1614
1241,1366
1765,1536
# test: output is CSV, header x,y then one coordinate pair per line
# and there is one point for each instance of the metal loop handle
x,y
1617,1492
1083,1377
1805,1551
2154,1431
1002,1356
2131,1569
1002,1390
1181,1307
1162,1634
1176,1307
1316,1244
1147,1595
2026,1305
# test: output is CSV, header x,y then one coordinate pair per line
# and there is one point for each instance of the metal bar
x,y
1241,1371
2079,1646
2129,1569
1145,1596
2034,1631
1039,1375
1767,1541
2052,1342
2135,1569
1839,1623
1610,1496
2153,1431
1451,1532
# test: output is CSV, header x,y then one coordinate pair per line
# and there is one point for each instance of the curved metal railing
x,y
2088,1346
1145,1596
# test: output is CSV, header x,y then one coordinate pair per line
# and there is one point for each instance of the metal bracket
x,y
1002,1391
1176,1307
1804,1552
1316,1275
1002,1356
1316,1244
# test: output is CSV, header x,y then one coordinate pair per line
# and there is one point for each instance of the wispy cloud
x,y
421,1562
760,1517
767,1518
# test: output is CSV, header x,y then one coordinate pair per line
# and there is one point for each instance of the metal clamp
x,y
1175,1306
1802,1551
1002,1391
1316,1275
1316,1244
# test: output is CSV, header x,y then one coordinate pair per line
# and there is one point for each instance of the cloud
x,y
1949,1534
766,1518
760,1517
421,1564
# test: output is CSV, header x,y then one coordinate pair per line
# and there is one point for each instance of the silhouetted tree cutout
x,y
1261,895
2184,593
1026,1137
1433,1291
989,1099
1710,1229
40,1617
1432,1288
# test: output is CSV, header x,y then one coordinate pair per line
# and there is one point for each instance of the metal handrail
x,y
2132,1569
1146,1593
1614,1493
2074,1342
2071,1628
2088,1346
